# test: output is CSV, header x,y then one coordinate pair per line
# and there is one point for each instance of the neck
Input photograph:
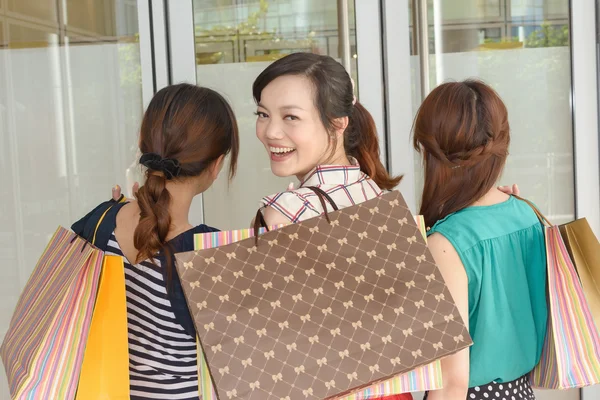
x,y
493,196
339,158
181,201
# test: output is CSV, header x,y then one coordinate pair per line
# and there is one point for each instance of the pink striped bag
x,y
428,377
571,353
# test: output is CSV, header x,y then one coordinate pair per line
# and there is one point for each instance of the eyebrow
x,y
289,107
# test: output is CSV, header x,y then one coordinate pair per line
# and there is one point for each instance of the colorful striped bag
x,y
57,346
571,353
43,351
428,377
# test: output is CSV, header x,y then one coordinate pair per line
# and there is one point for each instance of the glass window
x,y
235,41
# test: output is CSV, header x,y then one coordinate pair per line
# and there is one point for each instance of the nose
x,y
273,130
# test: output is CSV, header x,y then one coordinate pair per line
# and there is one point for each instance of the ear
x,y
216,167
340,125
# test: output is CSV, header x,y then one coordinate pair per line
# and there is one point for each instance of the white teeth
x,y
281,150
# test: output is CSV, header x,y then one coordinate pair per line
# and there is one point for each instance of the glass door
x,y
523,50
70,107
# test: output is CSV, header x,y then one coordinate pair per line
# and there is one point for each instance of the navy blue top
x,y
86,227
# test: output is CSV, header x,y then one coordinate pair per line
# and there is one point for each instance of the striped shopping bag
x,y
43,349
427,377
571,353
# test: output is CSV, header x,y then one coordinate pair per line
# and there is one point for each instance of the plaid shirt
x,y
345,184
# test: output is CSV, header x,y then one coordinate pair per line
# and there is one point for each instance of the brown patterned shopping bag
x,y
323,307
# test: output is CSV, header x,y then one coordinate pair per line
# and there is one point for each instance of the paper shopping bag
x,y
422,379
204,241
43,348
584,249
105,369
321,308
428,377
571,353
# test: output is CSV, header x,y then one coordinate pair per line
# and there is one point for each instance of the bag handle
x,y
537,212
259,221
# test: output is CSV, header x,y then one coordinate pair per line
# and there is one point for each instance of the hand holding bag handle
x,y
259,221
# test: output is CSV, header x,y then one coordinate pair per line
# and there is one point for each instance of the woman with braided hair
x,y
186,134
488,245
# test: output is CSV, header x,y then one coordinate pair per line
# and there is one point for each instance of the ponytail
x,y
150,236
361,142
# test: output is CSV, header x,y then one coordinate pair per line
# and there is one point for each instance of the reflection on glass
x,y
235,41
472,25
526,58
70,106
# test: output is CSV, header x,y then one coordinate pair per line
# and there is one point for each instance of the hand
x,y
514,189
116,191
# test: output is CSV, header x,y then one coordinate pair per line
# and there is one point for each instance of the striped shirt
x,y
347,185
162,356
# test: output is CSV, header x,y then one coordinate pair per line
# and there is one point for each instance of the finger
x,y
116,192
516,190
135,188
505,189
290,186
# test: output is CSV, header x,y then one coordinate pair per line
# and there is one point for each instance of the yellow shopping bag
x,y
105,370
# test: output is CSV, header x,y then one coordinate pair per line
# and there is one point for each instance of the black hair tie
x,y
155,162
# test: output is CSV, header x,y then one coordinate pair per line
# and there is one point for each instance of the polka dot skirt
x,y
519,389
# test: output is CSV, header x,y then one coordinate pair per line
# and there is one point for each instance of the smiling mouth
x,y
280,153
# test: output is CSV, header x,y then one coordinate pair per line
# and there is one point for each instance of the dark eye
x,y
261,114
291,118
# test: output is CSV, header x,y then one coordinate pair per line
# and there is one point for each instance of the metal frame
x,y
370,69
585,118
160,44
182,41
344,33
396,49
423,42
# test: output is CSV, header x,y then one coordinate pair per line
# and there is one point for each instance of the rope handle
x,y
537,212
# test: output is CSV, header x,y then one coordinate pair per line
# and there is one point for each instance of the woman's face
x,y
289,126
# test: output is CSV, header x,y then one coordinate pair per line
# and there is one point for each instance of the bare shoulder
x,y
446,258
128,216
274,217
440,245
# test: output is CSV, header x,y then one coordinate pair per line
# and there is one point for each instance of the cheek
x,y
311,143
260,131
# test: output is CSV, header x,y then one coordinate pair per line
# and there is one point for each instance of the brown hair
x,y
334,96
192,126
462,131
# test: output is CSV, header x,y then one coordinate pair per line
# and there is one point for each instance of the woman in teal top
x,y
488,245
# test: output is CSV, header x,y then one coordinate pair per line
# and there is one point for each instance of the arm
x,y
274,217
455,368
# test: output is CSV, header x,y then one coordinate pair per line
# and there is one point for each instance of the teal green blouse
x,y
503,251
